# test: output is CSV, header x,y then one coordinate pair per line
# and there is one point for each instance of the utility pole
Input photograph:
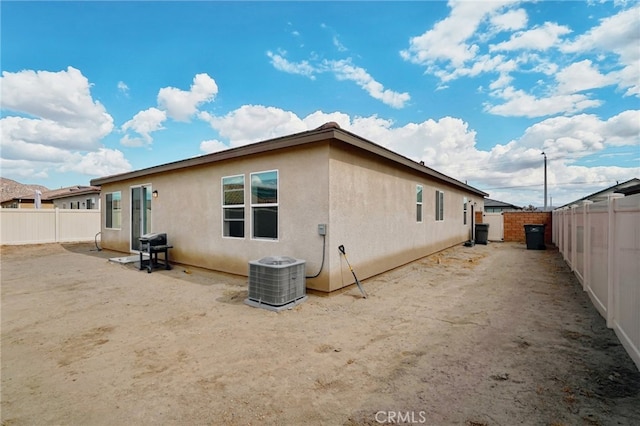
x,y
545,181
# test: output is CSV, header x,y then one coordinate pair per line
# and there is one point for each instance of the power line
x,y
551,184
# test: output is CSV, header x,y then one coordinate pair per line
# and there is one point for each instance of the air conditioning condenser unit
x,y
276,283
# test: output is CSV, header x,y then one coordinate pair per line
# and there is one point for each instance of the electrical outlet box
x,y
322,229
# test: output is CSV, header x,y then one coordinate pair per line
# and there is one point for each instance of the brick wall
x,y
514,225
478,217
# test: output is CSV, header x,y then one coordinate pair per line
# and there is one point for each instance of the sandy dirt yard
x,y
484,335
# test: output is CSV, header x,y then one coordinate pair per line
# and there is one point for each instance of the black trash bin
x,y
482,233
535,237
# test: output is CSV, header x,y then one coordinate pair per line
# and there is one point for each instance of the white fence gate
x,y
496,225
37,226
601,243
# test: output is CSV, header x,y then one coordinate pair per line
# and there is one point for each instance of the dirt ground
x,y
484,335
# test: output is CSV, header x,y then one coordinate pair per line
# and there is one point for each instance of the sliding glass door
x,y
140,214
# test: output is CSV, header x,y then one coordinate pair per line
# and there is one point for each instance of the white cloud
x,y
449,146
623,129
66,115
23,169
103,162
582,135
336,42
123,88
56,123
175,103
318,118
521,104
581,76
510,20
212,146
540,38
280,63
460,46
617,34
13,148
144,123
447,41
483,64
345,70
133,141
181,105
252,123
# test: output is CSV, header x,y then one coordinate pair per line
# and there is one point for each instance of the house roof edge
x,y
320,134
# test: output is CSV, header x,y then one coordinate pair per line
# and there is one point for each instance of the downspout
x,y
473,222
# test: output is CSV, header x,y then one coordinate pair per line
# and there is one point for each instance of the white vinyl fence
x,y
37,226
601,243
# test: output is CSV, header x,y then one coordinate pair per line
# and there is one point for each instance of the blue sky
x,y
476,90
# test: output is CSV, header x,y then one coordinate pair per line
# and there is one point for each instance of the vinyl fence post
x,y
565,237
560,223
611,256
574,238
57,225
586,246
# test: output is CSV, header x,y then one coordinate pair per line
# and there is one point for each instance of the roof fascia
x,y
229,154
381,151
298,139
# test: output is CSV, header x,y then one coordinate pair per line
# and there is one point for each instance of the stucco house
x,y
222,210
495,206
76,197
628,187
27,201
71,197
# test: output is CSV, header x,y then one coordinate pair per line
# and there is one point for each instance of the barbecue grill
x,y
152,244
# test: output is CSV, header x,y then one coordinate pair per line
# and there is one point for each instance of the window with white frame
x,y
113,212
264,205
233,206
418,203
439,205
464,210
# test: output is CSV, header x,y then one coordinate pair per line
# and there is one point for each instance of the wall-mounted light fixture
x,y
155,194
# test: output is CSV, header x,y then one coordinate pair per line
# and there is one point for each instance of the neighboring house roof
x,y
488,202
630,190
27,197
625,188
322,133
46,196
71,191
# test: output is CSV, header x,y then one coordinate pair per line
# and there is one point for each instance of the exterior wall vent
x,y
276,283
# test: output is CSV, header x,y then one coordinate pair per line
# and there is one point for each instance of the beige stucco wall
x,y
65,203
188,209
368,204
373,214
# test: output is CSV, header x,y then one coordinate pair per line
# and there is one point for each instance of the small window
x,y
464,210
419,203
233,206
113,211
439,206
264,205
